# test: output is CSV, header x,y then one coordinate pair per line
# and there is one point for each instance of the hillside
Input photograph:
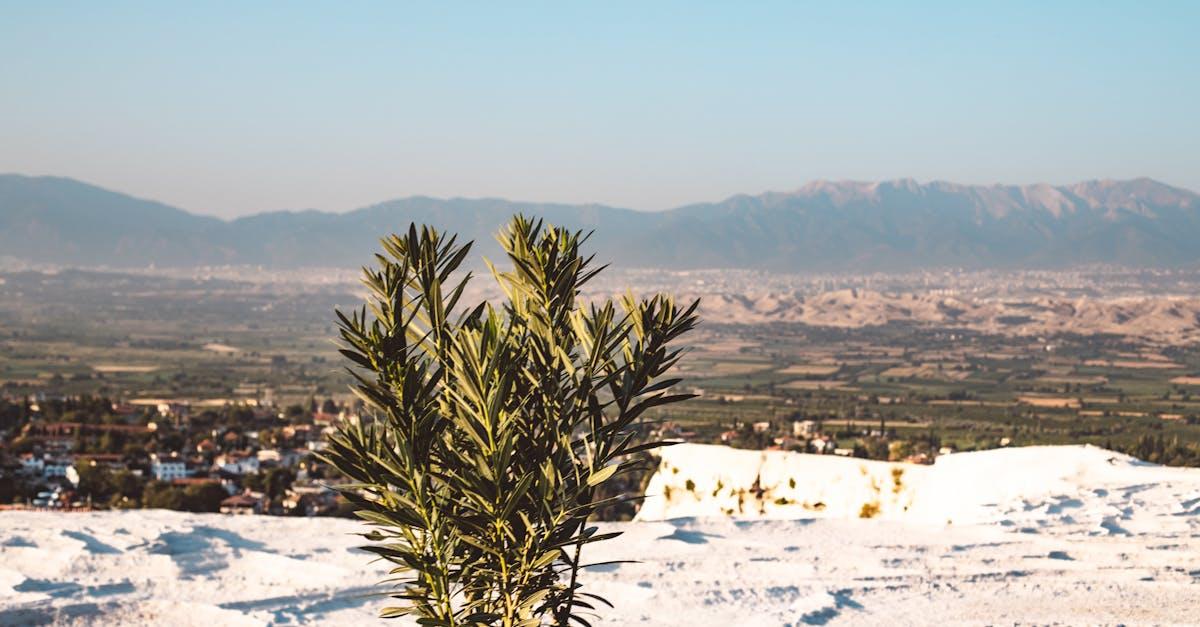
x,y
845,226
1045,535
1168,319
57,220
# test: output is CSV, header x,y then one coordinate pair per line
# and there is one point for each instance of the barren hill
x,y
1159,318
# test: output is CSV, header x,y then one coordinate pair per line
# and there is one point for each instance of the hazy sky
x,y
234,108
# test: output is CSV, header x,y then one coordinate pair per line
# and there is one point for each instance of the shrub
x,y
897,479
162,495
203,497
494,428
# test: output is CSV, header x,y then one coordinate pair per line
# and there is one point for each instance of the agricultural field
x,y
217,340
157,338
968,390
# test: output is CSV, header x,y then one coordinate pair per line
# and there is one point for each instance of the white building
x,y
32,464
167,469
280,457
55,469
822,445
804,428
237,464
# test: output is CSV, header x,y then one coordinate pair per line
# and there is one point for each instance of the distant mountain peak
x,y
851,226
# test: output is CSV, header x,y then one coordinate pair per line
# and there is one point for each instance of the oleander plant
x,y
492,429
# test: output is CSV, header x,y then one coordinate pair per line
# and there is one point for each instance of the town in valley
x,y
215,390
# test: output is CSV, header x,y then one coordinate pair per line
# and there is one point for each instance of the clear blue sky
x,y
233,108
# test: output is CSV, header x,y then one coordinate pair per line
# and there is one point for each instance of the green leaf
x,y
602,475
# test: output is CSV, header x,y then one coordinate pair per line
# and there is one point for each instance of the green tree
x,y
203,497
8,488
276,481
162,495
127,488
495,428
273,483
95,481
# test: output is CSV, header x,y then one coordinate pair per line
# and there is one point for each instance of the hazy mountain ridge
x,y
853,226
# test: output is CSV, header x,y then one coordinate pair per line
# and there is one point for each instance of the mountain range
x,y
823,226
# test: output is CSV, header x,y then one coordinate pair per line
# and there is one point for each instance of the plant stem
x,y
565,613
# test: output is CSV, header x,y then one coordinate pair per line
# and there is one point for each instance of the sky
x,y
228,109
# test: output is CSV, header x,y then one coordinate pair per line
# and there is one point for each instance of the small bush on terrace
x,y
495,427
